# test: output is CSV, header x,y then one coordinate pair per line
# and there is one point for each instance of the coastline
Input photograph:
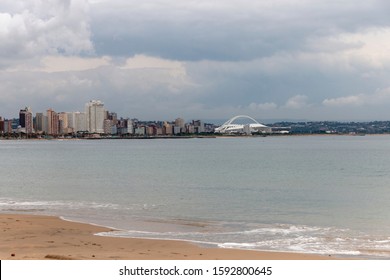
x,y
34,237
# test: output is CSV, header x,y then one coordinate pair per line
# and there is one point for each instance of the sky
x,y
198,59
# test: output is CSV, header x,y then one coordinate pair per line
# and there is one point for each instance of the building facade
x,y
52,122
26,120
95,116
40,123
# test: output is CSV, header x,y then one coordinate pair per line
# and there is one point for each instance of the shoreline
x,y
38,237
222,136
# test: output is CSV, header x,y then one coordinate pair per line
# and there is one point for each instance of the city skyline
x,y
94,120
287,59
97,120
86,108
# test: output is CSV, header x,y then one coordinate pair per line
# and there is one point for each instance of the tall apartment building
x,y
40,123
167,128
80,122
52,122
64,123
199,126
95,116
26,120
108,126
180,123
7,126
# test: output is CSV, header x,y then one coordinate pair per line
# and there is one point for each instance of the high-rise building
x,y
71,120
26,120
52,122
179,126
180,123
167,128
63,124
40,123
199,126
80,122
95,116
107,126
8,126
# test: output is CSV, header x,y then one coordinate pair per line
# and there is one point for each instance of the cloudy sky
x,y
198,59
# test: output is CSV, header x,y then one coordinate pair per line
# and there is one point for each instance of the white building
x,y
95,115
80,122
252,127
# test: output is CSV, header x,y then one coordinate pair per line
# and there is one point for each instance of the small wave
x,y
286,229
286,238
52,204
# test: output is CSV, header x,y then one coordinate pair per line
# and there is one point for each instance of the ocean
x,y
327,195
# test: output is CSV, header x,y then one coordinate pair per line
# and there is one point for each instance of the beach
x,y
34,237
312,195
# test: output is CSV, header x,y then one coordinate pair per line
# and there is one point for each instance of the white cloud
x,y
380,97
149,62
173,69
39,27
262,106
73,63
366,48
296,102
354,100
57,63
360,53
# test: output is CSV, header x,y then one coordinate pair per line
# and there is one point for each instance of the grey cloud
x,y
222,30
137,92
36,27
197,59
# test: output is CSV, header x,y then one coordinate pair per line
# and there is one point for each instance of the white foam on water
x,y
286,238
268,237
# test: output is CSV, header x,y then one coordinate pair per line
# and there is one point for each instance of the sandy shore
x,y
45,237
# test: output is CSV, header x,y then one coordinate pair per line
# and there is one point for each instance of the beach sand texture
x,y
26,237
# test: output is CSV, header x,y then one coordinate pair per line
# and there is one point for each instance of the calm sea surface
x,y
320,194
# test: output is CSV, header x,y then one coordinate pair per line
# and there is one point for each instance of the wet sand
x,y
28,237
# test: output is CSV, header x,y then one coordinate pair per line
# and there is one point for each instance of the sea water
x,y
316,194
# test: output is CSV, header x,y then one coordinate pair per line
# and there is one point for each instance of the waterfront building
x,y
158,131
140,131
7,127
26,120
230,127
71,121
40,124
95,116
199,126
177,130
149,130
63,125
52,122
107,126
167,129
190,129
80,122
180,123
125,126
128,125
114,130
10,126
